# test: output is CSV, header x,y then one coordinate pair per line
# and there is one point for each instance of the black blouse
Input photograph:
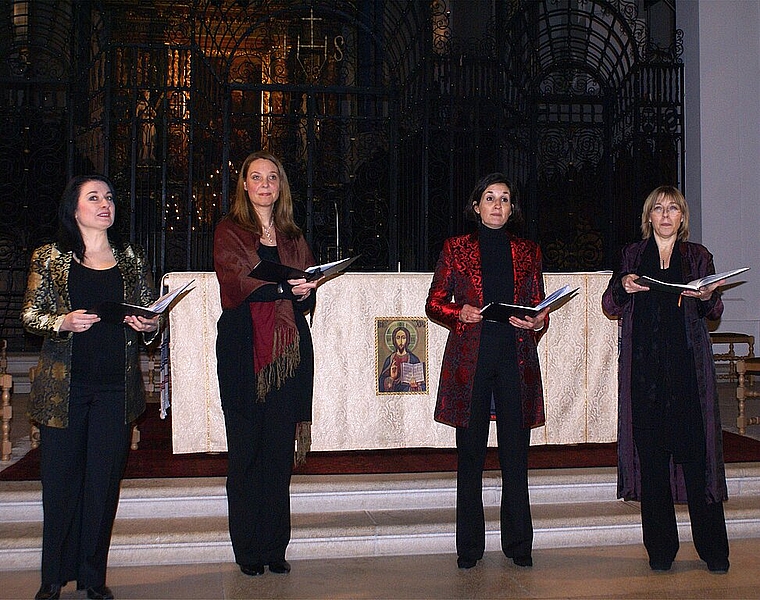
x,y
97,354
664,394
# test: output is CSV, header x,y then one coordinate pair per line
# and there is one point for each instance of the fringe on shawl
x,y
287,357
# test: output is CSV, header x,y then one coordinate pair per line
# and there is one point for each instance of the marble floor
x,y
588,573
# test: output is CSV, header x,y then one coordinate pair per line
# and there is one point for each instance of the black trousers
x,y
81,469
658,517
495,379
260,446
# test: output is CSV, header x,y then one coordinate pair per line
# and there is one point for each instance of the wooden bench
x,y
744,369
731,357
6,383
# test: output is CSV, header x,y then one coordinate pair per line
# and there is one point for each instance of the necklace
x,y
665,255
268,232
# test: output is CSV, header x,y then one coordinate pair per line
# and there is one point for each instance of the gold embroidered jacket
x,y
46,303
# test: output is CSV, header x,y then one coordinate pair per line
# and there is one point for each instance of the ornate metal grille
x,y
385,112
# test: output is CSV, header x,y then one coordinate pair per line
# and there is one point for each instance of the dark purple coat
x,y
696,262
458,280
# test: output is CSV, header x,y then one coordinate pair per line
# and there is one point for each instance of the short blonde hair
x,y
667,192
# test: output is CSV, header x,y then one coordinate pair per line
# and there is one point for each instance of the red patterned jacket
x,y
457,281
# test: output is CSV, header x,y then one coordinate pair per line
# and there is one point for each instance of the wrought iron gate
x,y
384,112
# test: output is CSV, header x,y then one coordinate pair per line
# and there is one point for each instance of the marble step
x,y
183,521
159,498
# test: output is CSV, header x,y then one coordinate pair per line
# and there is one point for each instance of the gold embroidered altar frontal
x,y
578,356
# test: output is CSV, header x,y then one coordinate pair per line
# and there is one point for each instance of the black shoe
x,y
253,570
719,568
279,566
660,566
523,561
466,563
48,591
99,592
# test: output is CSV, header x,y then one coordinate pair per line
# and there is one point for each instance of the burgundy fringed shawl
x,y
275,336
275,345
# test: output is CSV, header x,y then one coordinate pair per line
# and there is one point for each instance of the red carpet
x,y
154,458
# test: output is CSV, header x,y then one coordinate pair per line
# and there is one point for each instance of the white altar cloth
x,y
578,356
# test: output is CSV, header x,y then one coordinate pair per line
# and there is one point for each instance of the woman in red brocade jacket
x,y
489,367
265,361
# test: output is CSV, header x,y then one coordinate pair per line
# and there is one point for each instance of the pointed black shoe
x,y
523,561
253,570
279,566
719,568
48,591
99,592
466,563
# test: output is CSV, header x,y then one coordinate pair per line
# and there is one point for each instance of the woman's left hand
x,y
141,324
535,323
302,288
704,293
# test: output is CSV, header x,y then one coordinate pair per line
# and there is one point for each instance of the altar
x,y
354,325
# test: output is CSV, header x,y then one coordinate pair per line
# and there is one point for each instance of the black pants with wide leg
x,y
81,470
658,517
497,381
260,445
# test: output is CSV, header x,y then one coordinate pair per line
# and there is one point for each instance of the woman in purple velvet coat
x,y
669,433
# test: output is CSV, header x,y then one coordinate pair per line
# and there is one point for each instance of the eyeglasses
x,y
671,209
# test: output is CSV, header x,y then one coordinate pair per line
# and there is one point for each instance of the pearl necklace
x,y
268,233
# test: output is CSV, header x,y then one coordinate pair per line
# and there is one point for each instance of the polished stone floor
x,y
588,573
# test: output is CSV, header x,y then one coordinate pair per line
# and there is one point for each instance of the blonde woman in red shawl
x,y
265,361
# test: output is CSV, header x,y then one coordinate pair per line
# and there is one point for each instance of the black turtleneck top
x,y
498,277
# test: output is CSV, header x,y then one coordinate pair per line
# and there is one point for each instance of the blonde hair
x,y
667,192
241,208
